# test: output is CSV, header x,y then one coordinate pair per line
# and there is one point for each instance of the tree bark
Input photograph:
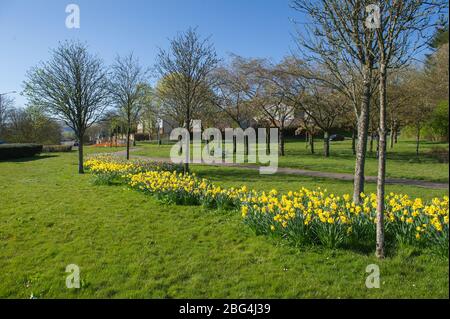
x,y
128,142
245,146
378,147
80,155
363,124
392,135
353,142
326,144
281,142
188,124
381,164
371,143
311,143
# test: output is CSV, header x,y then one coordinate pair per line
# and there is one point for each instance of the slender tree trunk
x,y
311,142
188,157
392,135
396,134
326,144
372,137
307,140
128,142
281,141
80,154
363,124
417,140
378,147
353,141
381,164
245,146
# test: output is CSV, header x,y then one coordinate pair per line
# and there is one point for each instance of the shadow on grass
x,y
27,159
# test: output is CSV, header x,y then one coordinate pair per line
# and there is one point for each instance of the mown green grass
x,y
128,245
402,161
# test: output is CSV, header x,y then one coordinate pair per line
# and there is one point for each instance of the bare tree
x,y
6,105
234,90
185,69
323,106
127,91
400,34
73,85
280,91
151,112
337,36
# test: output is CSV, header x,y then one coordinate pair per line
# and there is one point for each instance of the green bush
x,y
56,148
12,151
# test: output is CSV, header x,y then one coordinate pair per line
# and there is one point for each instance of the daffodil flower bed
x,y
110,169
301,217
316,217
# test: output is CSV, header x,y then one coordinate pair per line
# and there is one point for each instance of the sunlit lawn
x,y
129,245
402,161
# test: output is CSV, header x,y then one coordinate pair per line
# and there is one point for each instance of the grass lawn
x,y
128,245
402,161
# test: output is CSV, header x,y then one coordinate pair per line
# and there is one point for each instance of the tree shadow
x,y
27,159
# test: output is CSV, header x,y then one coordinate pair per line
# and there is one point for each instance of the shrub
x,y
56,148
12,151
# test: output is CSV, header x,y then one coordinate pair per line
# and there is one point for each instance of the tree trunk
x,y
158,133
326,144
353,141
378,147
80,155
417,140
396,134
311,142
188,157
392,135
128,142
381,164
281,142
306,140
245,147
363,124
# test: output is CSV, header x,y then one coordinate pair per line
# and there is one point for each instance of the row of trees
x,y
77,88
346,69
361,44
29,125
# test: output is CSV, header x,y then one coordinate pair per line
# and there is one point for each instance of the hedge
x,y
12,151
56,148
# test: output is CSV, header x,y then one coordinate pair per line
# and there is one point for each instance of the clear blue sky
x,y
29,28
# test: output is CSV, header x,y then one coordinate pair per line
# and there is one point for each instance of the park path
x,y
308,173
